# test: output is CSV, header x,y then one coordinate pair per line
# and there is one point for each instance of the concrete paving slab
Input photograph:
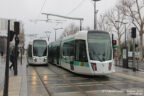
x,y
129,77
69,94
15,83
106,93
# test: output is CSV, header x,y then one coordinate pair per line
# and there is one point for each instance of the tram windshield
x,y
99,46
39,48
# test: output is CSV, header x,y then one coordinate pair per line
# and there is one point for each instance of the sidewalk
x,y
139,65
2,70
17,84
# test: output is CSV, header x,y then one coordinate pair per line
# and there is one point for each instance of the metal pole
x,y
6,84
16,55
21,55
49,36
94,15
96,18
55,34
80,25
113,48
125,34
134,69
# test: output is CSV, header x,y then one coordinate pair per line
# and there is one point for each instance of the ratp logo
x,y
103,65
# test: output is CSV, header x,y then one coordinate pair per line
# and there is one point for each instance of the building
x,y
3,34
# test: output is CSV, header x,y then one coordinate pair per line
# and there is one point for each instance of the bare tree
x,y
70,30
133,9
113,16
104,23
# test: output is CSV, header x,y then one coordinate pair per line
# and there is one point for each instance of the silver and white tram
x,y
86,52
37,52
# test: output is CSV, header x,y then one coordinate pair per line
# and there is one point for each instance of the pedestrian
x,y
1,53
12,58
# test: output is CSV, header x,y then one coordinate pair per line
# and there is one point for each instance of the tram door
x,y
68,53
80,51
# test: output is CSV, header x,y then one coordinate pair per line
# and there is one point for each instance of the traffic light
x,y
16,27
133,33
11,35
114,43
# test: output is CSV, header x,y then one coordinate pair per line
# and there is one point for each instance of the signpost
x,y
125,57
133,35
16,29
6,82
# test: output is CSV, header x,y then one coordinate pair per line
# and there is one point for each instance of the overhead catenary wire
x,y
75,8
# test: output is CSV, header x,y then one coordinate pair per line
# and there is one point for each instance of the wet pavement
x,y
2,71
55,81
18,82
139,65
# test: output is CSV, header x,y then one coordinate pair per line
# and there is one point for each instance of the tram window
x,y
57,51
68,49
81,54
30,51
50,52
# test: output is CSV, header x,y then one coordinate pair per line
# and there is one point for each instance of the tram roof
x,y
79,35
31,42
82,34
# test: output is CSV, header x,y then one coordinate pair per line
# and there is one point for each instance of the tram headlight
x,y
94,66
45,59
109,66
35,60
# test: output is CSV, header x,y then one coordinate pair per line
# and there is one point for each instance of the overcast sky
x,y
30,10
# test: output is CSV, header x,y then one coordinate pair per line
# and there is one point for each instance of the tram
x,y
37,52
86,52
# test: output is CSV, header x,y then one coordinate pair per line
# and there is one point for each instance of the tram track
x,y
80,90
53,85
62,77
49,93
73,85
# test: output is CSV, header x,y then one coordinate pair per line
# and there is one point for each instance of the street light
x,y
125,50
125,30
55,31
48,36
95,14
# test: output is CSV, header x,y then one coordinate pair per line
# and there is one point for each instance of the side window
x,y
49,51
30,51
80,53
54,52
68,49
58,51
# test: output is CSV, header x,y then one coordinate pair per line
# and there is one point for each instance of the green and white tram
x,y
37,52
86,52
